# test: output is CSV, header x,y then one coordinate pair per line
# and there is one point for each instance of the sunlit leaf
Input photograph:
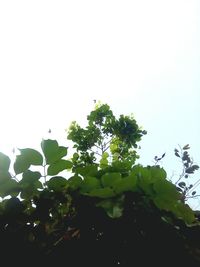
x,y
109,179
104,160
89,184
126,184
167,190
183,211
89,170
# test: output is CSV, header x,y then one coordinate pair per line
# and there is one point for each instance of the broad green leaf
x,y
32,156
30,176
21,164
89,170
122,166
75,182
102,192
164,203
4,175
184,212
110,179
4,162
9,187
57,183
148,176
104,160
126,184
157,173
89,184
49,148
166,190
27,158
59,166
52,151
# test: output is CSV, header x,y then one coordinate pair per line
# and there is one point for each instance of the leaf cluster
x,y
45,208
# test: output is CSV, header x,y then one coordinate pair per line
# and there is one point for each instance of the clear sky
x,y
140,57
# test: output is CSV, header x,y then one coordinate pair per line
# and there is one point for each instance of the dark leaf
x,y
57,183
186,147
176,154
182,184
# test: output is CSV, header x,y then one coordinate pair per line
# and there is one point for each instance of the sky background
x,y
139,57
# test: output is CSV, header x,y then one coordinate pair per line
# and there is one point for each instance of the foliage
x,y
189,168
45,208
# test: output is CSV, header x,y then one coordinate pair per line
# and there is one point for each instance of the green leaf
x,y
27,158
89,170
166,196
104,160
184,212
28,190
75,182
59,166
126,184
89,184
4,175
122,166
21,164
102,192
166,190
157,173
57,183
148,176
113,207
30,177
4,162
116,211
9,187
110,179
32,156
52,151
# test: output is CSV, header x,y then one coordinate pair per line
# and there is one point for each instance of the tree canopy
x,y
97,204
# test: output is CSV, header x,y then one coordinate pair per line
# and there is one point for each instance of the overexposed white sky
x,y
140,57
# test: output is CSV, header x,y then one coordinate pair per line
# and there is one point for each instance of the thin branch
x,y
97,147
192,196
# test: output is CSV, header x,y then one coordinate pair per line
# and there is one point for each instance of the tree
x,y
111,209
